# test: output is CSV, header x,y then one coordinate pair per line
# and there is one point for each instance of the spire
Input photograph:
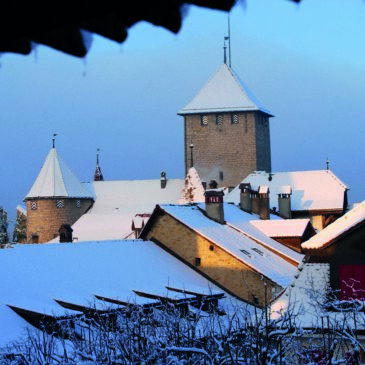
x,y
98,176
56,179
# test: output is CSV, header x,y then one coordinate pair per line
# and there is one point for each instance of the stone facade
x,y
228,146
224,268
45,216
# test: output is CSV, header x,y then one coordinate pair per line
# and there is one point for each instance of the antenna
x,y
97,156
53,140
328,164
191,154
229,40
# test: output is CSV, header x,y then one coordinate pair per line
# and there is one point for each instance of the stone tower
x,y
226,131
57,197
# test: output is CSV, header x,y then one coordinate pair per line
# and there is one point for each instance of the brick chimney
x,y
284,200
264,200
214,205
245,197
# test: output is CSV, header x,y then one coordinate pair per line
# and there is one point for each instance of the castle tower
x,y
229,130
57,197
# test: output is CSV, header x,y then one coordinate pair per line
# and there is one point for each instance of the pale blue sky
x,y
305,63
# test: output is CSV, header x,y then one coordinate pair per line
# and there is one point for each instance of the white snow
x,y
223,92
335,230
233,241
282,228
311,190
57,180
32,276
193,190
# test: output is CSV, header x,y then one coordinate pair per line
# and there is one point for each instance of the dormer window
x,y
258,251
33,205
246,253
78,203
204,120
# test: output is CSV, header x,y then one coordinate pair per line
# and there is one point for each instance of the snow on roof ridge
x,y
337,228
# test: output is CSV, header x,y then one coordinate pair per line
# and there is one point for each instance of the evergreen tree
x,y
4,238
20,229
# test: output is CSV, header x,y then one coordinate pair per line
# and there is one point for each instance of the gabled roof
x,y
337,229
282,228
117,203
56,179
193,190
241,246
311,190
224,92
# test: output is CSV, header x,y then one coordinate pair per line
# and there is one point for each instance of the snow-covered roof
x,y
116,204
259,258
248,224
311,190
224,92
32,276
282,228
338,228
56,179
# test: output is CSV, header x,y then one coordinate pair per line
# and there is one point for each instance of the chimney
x,y
264,202
255,201
284,199
245,197
212,184
214,205
163,180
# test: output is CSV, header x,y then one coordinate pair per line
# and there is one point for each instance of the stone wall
x,y
227,152
45,216
214,261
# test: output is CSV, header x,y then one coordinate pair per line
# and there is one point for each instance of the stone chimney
x,y
245,197
255,201
163,180
284,200
264,202
214,205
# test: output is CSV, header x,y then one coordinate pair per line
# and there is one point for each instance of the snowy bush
x,y
4,238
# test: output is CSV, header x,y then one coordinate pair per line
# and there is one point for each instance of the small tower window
x,y
60,203
221,175
234,118
219,119
78,203
204,120
34,205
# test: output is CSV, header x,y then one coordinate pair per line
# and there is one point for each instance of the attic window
x,y
34,205
60,203
211,248
78,203
198,261
204,120
258,251
246,253
219,119
234,118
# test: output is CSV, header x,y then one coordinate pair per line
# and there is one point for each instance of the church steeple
x,y
98,176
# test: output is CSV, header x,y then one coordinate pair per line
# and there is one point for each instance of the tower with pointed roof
x,y
57,197
229,130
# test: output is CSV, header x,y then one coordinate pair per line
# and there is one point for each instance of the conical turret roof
x,y
56,179
224,92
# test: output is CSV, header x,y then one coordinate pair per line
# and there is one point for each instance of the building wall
x,y
46,219
233,149
214,262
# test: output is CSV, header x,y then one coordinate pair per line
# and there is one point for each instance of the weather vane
x,y
54,139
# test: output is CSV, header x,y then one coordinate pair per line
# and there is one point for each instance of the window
x,y
204,120
60,203
33,205
198,261
78,203
246,253
35,238
211,248
258,251
234,119
221,175
219,119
